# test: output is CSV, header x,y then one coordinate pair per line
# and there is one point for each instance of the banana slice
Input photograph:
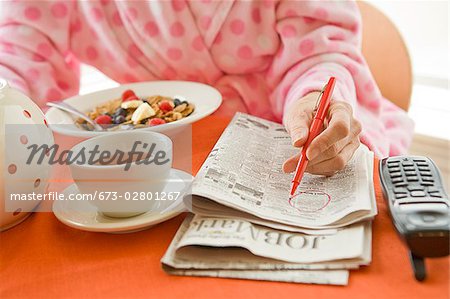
x,y
131,104
142,112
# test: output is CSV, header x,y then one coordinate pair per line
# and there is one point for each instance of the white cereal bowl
x,y
205,98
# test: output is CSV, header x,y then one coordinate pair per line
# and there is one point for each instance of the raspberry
x,y
165,106
103,119
127,93
131,98
156,121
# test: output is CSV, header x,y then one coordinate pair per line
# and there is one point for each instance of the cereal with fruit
x,y
138,112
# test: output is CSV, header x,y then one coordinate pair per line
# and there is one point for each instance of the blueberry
x,y
119,119
176,102
120,111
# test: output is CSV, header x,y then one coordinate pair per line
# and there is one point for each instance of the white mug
x,y
126,185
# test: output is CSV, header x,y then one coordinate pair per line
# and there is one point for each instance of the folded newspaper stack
x,y
245,225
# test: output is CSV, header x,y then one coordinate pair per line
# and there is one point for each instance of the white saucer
x,y
85,216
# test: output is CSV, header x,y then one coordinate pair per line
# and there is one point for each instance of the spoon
x,y
68,108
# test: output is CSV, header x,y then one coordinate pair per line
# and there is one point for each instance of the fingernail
x,y
311,154
299,137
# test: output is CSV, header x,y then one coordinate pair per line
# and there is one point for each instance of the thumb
x,y
298,128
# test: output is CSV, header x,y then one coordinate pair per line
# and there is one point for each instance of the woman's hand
x,y
330,150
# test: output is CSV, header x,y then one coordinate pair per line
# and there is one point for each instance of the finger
x,y
297,125
291,164
331,152
337,129
336,163
337,147
356,128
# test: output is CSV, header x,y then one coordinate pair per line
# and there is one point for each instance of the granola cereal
x,y
137,111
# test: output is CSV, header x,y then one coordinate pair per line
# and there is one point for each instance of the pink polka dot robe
x,y
261,55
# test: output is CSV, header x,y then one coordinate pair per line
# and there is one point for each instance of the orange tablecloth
x,y
44,258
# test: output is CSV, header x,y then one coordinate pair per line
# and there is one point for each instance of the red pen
x,y
322,105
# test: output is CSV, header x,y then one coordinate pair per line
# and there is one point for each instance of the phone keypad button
x,y
418,194
428,218
435,194
401,184
412,179
416,188
407,163
396,175
397,180
419,160
394,169
400,195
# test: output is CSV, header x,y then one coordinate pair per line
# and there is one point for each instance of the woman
x,y
268,58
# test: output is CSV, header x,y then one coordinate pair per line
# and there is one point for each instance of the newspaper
x,y
242,178
219,247
333,277
246,226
